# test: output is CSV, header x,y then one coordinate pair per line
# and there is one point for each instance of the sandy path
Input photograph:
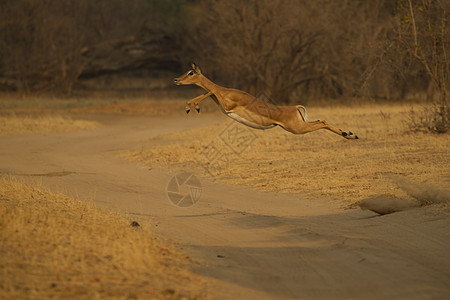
x,y
250,245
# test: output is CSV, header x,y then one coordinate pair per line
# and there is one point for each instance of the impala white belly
x,y
247,122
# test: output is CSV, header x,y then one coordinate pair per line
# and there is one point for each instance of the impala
x,y
251,111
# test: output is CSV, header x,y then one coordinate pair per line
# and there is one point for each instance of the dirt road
x,y
249,245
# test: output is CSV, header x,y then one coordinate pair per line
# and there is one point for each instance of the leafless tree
x,y
291,49
260,45
424,32
46,45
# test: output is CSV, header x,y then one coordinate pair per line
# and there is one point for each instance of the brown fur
x,y
251,111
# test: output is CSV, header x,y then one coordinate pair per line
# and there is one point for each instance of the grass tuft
x,y
52,246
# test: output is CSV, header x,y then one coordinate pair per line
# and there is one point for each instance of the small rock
x,y
169,292
135,224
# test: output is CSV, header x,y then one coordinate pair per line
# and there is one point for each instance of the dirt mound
x,y
386,204
421,194
425,194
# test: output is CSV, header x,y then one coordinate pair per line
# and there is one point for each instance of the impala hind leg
x,y
313,126
306,127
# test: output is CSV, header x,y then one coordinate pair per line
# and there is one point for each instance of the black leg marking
x,y
187,111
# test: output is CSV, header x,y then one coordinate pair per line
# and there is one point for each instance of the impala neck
x,y
207,84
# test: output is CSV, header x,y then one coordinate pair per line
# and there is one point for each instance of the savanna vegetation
x,y
291,51
381,53
316,165
53,246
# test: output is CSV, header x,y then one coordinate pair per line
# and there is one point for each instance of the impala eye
x,y
191,73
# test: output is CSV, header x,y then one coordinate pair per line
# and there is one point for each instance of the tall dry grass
x,y
318,164
52,246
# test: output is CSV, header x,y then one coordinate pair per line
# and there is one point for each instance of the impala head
x,y
190,77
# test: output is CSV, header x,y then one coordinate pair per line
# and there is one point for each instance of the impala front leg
x,y
196,102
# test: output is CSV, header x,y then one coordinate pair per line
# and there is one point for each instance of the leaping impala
x,y
251,111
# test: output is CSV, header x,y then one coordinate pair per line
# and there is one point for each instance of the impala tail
x,y
302,110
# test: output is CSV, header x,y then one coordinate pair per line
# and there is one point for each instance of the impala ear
x,y
196,68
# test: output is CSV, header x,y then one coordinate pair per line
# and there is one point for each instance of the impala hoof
x,y
353,136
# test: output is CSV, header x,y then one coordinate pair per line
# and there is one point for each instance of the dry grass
x,y
139,108
52,246
11,125
161,102
318,164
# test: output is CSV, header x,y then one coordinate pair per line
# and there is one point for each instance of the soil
x,y
247,243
